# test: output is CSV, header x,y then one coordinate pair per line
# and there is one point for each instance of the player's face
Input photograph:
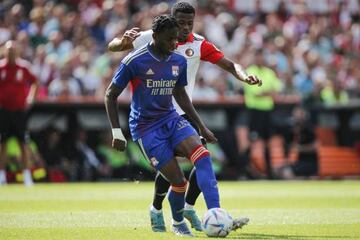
x,y
10,51
186,24
167,40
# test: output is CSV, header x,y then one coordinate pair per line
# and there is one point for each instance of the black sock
x,y
161,189
193,191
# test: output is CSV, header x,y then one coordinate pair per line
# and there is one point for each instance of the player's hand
x,y
130,35
208,135
118,144
119,141
253,80
29,104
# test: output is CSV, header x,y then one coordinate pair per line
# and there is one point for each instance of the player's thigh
x,y
186,147
161,157
156,149
5,124
259,128
19,120
183,138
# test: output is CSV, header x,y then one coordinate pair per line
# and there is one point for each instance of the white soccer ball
x,y
217,222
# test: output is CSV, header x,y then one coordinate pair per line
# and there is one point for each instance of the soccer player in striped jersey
x,y
194,48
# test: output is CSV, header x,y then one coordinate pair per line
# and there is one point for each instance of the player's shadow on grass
x,y
281,237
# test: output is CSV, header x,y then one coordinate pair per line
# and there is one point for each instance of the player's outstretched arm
x,y
125,42
236,70
111,95
186,105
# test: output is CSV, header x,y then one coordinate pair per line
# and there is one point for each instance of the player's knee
x,y
179,188
198,153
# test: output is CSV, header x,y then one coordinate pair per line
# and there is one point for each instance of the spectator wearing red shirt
x,y
15,98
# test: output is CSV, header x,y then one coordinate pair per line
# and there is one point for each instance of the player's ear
x,y
154,36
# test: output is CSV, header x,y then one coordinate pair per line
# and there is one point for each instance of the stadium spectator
x,y
303,136
36,27
83,164
58,46
85,72
296,28
44,68
23,41
65,84
52,151
259,103
15,79
334,94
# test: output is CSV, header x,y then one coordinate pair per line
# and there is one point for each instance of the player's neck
x,y
11,61
157,52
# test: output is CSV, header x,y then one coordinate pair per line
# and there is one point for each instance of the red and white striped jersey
x,y
195,49
15,80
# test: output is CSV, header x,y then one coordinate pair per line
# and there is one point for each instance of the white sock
x,y
176,222
153,209
3,177
28,181
188,206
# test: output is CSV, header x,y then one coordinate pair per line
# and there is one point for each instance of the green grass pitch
x,y
277,210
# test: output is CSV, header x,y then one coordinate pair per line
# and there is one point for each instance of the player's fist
x,y
253,80
208,135
119,144
119,141
130,35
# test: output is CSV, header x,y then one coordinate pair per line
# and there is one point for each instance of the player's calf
x,y
205,176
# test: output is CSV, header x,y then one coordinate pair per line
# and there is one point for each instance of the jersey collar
x,y
153,55
190,39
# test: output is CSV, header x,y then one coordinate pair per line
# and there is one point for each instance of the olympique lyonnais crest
x,y
175,71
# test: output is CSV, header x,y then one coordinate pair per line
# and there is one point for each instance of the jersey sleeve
x,y
123,75
210,53
182,80
144,38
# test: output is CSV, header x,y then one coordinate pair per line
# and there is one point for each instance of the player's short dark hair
x,y
164,22
183,7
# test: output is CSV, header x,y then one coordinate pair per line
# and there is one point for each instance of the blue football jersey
x,y
152,81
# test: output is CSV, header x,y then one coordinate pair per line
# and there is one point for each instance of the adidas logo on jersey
x,y
150,72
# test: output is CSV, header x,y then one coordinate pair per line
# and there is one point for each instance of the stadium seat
x,y
338,162
276,151
326,136
334,161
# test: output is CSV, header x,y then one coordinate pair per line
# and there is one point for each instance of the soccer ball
x,y
217,222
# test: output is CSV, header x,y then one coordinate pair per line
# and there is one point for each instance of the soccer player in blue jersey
x,y
195,49
156,74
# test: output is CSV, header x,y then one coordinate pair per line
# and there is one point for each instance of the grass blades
x,y
277,210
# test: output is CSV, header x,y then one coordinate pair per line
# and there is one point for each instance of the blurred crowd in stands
x,y
313,47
